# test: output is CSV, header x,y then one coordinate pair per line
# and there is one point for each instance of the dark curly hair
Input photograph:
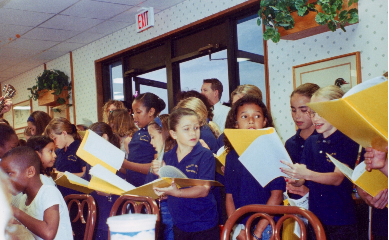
x,y
232,115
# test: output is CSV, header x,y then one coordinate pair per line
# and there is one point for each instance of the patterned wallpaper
x,y
369,36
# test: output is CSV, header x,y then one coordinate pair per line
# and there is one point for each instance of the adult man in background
x,y
213,89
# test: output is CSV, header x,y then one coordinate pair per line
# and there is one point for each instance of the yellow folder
x,y
220,157
371,182
72,181
362,116
242,138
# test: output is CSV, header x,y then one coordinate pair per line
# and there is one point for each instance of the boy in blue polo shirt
x,y
330,195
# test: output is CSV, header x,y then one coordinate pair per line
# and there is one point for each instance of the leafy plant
x,y
51,80
277,13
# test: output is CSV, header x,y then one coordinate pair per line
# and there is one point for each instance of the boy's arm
x,y
230,206
80,174
192,192
275,199
46,229
137,167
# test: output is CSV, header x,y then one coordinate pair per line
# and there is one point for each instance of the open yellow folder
x,y
69,180
362,116
371,182
241,139
96,150
220,157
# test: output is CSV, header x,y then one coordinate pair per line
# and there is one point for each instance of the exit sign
x,y
144,19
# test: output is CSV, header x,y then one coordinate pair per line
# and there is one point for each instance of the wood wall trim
x,y
267,82
224,13
99,90
73,92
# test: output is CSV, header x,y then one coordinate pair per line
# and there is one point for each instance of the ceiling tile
x,y
125,2
158,4
24,18
97,10
32,44
9,31
50,34
43,6
67,47
127,16
78,24
86,37
108,27
49,55
10,52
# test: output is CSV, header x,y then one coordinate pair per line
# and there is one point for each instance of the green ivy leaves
x,y
276,14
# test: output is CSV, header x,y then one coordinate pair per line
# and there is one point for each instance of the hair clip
x,y
30,119
158,121
136,94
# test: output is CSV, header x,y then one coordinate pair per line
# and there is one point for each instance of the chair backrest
x,y
76,206
265,210
136,204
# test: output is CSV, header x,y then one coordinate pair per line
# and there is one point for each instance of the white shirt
x,y
220,113
47,197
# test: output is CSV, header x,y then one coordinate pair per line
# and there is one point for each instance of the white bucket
x,y
132,227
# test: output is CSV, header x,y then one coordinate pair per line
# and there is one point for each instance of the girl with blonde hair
x,y
123,125
246,89
208,130
110,106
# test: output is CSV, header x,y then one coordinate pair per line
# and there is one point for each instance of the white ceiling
x,y
49,29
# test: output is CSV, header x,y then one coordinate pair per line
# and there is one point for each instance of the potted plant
x,y
52,88
280,16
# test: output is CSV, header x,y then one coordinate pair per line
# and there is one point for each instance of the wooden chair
x,y
264,211
78,212
136,204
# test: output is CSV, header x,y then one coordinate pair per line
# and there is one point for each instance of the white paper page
x,y
342,167
108,176
262,158
104,150
74,178
358,171
365,85
171,172
220,151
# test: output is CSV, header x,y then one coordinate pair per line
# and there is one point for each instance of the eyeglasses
x,y
312,113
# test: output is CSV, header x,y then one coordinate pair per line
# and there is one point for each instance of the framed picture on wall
x,y
20,112
20,133
343,71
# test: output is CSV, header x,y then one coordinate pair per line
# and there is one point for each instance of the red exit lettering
x,y
143,20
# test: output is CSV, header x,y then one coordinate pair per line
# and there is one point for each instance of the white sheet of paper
x,y
104,150
77,179
262,158
342,167
108,176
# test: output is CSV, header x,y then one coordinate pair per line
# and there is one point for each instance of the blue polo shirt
x,y
208,137
333,205
295,147
69,161
220,141
193,214
140,151
245,189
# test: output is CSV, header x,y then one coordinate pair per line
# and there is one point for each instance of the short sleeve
x,y
276,184
228,173
207,167
55,197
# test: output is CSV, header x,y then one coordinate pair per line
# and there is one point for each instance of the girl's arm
x,y
127,140
46,229
275,199
80,174
379,201
300,171
230,206
192,192
137,167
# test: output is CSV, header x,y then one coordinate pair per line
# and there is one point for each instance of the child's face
x,y
141,116
250,116
47,155
321,125
156,138
12,142
59,140
187,132
298,105
32,128
17,176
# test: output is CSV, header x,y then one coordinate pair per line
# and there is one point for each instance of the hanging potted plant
x,y
296,19
52,88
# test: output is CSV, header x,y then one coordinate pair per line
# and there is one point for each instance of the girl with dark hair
x,y
241,187
37,122
67,140
146,107
8,139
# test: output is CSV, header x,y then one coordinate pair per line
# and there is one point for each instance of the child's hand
x,y
204,144
296,171
379,201
171,190
302,190
156,165
103,194
375,159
